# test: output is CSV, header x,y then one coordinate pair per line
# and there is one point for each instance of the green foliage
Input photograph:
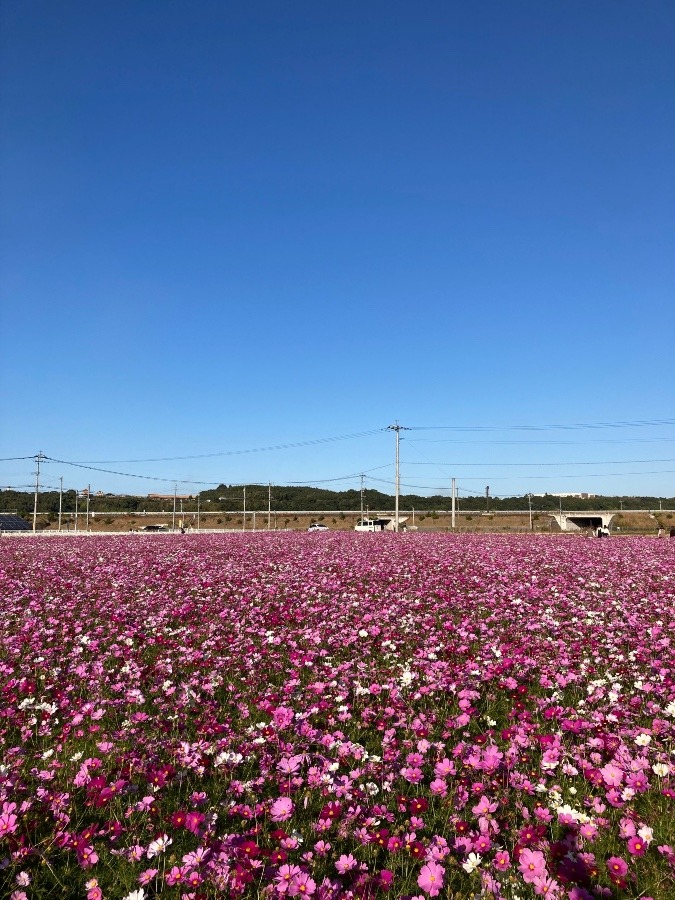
x,y
229,499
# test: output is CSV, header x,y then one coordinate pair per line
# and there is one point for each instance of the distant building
x,y
579,496
171,496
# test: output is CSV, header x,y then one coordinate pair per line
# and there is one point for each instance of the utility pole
x,y
77,494
362,477
269,505
197,512
60,501
529,503
397,428
88,493
173,520
243,517
487,498
454,500
40,456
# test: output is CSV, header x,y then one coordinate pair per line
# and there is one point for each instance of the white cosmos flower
x,y
643,740
646,833
158,846
136,895
473,860
660,769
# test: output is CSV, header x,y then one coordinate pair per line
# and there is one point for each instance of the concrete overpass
x,y
578,521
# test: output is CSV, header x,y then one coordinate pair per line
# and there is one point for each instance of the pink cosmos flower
x,y
444,768
282,716
289,765
94,892
8,824
281,809
431,878
345,863
438,787
532,864
612,775
636,846
589,831
638,781
546,887
502,860
482,843
302,885
321,848
483,807
175,876
285,876
87,856
617,867
194,820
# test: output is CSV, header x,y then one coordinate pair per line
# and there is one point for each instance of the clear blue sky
x,y
227,226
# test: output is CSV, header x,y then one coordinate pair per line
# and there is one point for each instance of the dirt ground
x,y
627,522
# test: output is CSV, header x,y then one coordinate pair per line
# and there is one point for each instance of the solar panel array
x,y
10,522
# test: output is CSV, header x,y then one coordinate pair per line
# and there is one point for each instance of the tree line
x,y
229,498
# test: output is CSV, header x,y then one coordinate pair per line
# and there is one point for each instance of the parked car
x,y
318,526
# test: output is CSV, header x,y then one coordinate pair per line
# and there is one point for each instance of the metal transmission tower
x,y
398,429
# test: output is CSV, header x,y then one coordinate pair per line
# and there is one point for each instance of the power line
x,y
65,462
577,475
546,442
341,478
431,487
605,462
289,446
637,423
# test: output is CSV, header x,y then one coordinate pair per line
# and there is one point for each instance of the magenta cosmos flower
x,y
617,867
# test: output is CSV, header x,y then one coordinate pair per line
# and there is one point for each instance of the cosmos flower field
x,y
337,715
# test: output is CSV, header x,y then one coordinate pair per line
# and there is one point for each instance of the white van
x,y
367,525
381,523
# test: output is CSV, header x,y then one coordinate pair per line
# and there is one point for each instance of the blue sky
x,y
230,226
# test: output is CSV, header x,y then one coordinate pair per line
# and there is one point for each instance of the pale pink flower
x,y
532,864
281,809
345,863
